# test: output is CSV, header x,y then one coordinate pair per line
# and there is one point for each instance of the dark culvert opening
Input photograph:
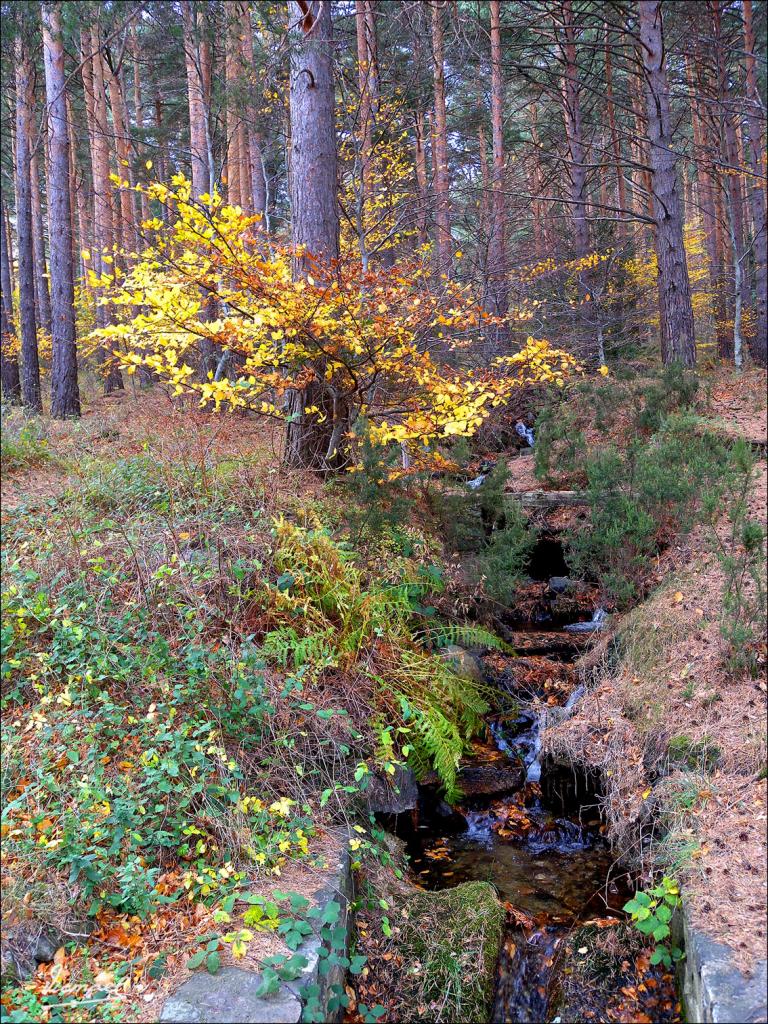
x,y
547,558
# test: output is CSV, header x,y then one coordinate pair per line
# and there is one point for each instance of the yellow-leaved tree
x,y
367,340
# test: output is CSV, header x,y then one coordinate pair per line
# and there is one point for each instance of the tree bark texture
x,y
42,288
65,394
571,95
30,366
103,210
9,363
498,289
314,214
757,197
443,238
678,339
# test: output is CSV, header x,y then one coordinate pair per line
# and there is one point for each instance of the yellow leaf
x,y
678,597
148,165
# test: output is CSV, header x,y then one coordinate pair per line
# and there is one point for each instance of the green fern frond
x,y
285,646
465,636
333,615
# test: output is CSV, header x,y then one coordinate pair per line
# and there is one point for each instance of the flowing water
x,y
550,865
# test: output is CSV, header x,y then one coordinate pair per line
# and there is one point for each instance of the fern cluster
x,y
326,614
442,709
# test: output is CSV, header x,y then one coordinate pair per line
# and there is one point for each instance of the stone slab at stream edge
x,y
229,996
713,990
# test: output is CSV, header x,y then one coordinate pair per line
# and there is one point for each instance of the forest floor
x,y
145,486
144,490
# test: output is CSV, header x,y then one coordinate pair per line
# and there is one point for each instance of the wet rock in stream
x,y
485,779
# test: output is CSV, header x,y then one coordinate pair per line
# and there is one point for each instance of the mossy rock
x,y
692,755
452,939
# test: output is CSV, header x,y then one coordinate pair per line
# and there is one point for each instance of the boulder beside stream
x,y
391,794
484,779
453,938
462,662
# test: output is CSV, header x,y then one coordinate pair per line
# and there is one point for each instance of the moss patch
x,y
452,940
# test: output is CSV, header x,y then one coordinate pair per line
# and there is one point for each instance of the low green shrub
x,y
645,494
674,391
560,444
741,552
22,444
377,498
486,522
504,559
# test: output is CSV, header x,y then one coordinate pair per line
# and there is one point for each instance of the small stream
x,y
553,871
546,855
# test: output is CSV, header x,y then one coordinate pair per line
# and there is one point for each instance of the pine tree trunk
x,y
571,94
705,194
9,364
161,162
65,395
78,201
484,212
314,214
421,179
365,71
255,140
443,238
198,71
730,156
233,119
497,299
138,113
621,186
755,119
103,223
198,143
127,221
577,172
678,338
42,290
30,366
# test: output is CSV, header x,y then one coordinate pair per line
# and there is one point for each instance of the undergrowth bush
x,y
560,445
22,444
741,552
325,614
378,498
627,408
644,495
484,521
108,784
674,391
